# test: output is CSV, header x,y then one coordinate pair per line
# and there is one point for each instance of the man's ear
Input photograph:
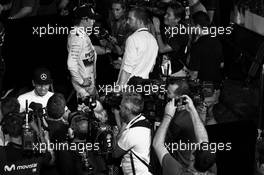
x,y
33,83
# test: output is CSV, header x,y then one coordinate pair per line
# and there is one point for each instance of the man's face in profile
x,y
41,89
132,21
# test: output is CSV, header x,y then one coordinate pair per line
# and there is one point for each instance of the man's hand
x,y
170,108
113,40
156,23
189,103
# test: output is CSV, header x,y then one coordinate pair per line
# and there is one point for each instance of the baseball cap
x,y
85,11
42,76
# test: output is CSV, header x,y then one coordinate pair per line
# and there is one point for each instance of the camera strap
x,y
142,123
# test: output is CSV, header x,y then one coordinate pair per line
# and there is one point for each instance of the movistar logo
x,y
10,168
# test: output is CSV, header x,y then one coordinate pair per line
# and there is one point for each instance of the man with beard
x,y
141,48
134,138
40,94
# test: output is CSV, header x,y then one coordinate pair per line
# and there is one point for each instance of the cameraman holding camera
x,y
13,158
134,137
172,164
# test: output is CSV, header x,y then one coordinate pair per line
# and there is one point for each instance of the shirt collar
x,y
134,120
142,29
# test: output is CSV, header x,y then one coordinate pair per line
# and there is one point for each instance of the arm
x,y
118,151
75,47
25,11
159,138
163,48
129,61
199,129
101,50
124,76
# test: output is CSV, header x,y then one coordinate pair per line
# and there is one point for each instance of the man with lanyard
x,y
134,138
141,49
82,54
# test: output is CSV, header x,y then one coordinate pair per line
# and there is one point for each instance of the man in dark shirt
x,y
176,43
206,52
206,59
13,160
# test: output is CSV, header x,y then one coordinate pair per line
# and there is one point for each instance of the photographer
x,y
170,163
79,159
134,137
13,156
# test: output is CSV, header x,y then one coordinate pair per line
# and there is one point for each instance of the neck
x,y
16,140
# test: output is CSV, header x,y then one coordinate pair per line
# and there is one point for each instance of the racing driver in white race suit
x,y
82,54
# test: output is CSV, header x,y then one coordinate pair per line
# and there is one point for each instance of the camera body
x,y
88,101
180,103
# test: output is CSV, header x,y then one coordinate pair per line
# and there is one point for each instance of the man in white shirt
x,y
134,137
40,94
141,48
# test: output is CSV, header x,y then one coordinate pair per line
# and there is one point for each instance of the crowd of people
x,y
121,140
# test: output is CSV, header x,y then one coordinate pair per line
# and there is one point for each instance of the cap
x,y
42,76
85,11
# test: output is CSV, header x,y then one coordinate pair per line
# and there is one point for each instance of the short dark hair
x,y
56,106
12,124
10,105
121,2
141,14
183,88
201,18
136,100
178,10
79,125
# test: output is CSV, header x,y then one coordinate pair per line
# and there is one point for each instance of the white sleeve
x,y
74,49
22,102
126,141
130,55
